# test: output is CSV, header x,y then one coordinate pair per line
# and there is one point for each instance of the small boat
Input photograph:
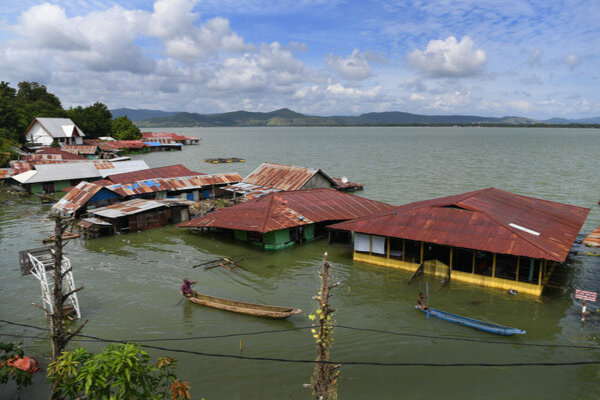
x,y
257,310
473,323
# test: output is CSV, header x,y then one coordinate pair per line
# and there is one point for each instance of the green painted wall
x,y
240,235
277,239
309,232
58,185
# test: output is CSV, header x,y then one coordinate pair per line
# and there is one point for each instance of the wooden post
x,y
422,250
494,265
324,377
518,262
403,250
451,257
388,247
473,270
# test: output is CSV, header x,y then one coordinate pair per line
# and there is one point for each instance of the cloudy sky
x,y
534,58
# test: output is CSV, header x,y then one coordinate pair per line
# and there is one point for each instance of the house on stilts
x,y
487,237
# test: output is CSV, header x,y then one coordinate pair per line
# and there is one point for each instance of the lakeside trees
x,y
19,106
124,129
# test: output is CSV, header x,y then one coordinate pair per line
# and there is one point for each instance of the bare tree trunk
x,y
324,378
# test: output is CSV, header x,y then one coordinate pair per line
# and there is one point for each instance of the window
x,y
506,266
462,259
484,263
413,251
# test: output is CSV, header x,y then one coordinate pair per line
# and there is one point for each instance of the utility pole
x,y
324,377
60,337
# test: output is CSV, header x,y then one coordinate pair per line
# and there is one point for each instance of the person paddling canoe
x,y
186,287
421,302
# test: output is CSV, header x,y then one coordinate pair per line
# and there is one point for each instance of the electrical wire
x,y
304,361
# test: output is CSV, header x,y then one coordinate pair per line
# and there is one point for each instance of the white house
x,y
45,131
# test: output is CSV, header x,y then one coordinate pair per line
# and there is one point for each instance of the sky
x,y
531,58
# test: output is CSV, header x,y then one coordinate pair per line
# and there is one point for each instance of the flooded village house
x,y
487,237
280,219
48,131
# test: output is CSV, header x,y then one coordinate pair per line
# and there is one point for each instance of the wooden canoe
x,y
257,310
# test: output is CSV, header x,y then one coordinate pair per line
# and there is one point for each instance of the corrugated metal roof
x,y
284,177
87,222
6,173
169,171
344,183
249,190
173,184
80,170
106,168
136,206
77,197
593,239
489,219
172,136
59,127
80,149
281,210
122,144
63,154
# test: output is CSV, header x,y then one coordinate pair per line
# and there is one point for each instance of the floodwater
x,y
132,281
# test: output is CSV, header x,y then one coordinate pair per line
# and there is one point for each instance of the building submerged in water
x,y
487,237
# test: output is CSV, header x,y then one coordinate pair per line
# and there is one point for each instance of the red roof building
x,y
488,237
170,171
280,219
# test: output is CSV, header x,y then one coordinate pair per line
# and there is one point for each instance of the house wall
x,y
277,239
438,268
317,181
37,134
240,235
58,186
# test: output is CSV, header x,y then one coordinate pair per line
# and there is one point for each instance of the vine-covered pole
x,y
324,378
59,336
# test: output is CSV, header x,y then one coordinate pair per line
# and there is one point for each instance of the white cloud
x,y
272,68
338,89
448,58
572,60
353,67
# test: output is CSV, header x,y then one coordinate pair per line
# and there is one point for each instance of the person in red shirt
x,y
186,287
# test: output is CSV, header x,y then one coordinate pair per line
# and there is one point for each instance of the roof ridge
x,y
270,209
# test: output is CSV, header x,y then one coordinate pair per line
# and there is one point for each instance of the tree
x,y
9,119
324,378
8,352
6,151
121,371
33,100
94,120
124,129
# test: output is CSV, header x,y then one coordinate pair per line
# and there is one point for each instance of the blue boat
x,y
473,323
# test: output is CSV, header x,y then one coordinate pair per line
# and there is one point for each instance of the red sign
x,y
585,295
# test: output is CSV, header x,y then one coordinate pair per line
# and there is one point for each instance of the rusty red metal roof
x,y
173,184
64,155
282,210
77,197
6,173
80,148
282,176
172,136
489,219
122,144
344,183
593,239
169,171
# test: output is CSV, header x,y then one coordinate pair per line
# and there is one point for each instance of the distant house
x,y
273,177
278,220
51,178
487,237
46,131
83,195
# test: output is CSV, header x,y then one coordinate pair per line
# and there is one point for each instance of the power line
x,y
304,361
453,338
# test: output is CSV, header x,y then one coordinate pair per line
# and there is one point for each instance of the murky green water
x,y
131,281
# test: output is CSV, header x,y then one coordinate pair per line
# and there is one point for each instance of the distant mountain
x,y
563,121
138,115
287,117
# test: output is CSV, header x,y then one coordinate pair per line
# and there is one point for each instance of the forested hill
x,y
286,117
